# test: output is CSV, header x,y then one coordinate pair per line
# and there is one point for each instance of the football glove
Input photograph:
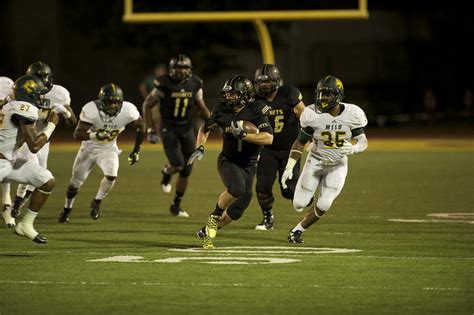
x,y
102,134
197,155
133,158
60,108
152,137
347,148
238,129
288,173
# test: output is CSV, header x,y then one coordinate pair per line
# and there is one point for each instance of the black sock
x,y
218,211
177,199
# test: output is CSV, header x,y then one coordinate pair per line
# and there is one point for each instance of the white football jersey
x,y
6,85
115,125
8,130
330,132
57,95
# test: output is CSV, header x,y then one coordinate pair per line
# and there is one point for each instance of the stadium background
x,y
387,62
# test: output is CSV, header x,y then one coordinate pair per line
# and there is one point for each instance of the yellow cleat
x,y
212,225
207,243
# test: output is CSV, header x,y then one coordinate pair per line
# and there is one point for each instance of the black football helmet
x,y
31,89
237,92
180,68
111,99
43,71
329,93
267,79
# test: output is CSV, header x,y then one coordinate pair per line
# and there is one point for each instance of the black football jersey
x,y
240,152
178,101
282,118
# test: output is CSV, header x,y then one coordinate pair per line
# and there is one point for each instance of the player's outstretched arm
x,y
139,125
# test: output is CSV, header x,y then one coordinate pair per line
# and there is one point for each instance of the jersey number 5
x,y
279,124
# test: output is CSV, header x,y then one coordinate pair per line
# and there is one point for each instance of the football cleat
x,y
165,181
207,243
6,214
295,237
95,209
64,216
201,233
266,224
30,233
178,212
212,225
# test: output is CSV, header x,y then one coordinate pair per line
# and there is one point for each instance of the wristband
x,y
48,130
92,135
291,163
67,114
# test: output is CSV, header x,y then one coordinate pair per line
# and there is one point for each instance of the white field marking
x,y
429,221
455,217
269,250
227,285
206,260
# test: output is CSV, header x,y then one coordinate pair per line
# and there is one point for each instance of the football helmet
x,y
237,92
267,79
111,99
43,71
180,67
31,89
329,93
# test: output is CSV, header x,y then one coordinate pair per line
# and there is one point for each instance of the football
x,y
249,127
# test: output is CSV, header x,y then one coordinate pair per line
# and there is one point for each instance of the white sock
x,y
68,203
298,228
105,186
7,199
29,218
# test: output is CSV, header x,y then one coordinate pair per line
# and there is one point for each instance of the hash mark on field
x,y
243,285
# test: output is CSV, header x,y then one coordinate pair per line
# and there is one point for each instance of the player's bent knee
x,y
47,187
186,171
324,204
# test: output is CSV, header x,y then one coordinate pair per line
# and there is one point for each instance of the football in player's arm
x,y
18,122
168,112
101,121
57,99
331,126
240,150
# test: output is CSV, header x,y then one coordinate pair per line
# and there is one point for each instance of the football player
x,y
6,85
286,104
17,125
240,150
59,101
331,126
172,101
100,123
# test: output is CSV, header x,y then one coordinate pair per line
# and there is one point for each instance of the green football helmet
x,y
31,89
111,99
329,93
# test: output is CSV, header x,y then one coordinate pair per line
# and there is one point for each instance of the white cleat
x,y
29,232
7,216
166,188
183,214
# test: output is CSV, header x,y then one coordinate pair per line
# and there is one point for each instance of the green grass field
x,y
405,215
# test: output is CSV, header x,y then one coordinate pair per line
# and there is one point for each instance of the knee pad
x,y
265,200
324,204
186,171
236,209
236,190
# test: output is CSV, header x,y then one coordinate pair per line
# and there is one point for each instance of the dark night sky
x,y
385,62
